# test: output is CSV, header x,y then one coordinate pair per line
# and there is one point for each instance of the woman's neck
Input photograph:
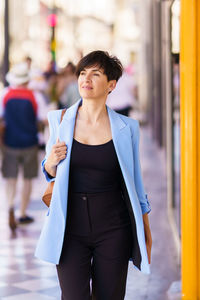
x,y
92,112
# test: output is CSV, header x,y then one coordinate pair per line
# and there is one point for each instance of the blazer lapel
x,y
121,134
65,134
66,127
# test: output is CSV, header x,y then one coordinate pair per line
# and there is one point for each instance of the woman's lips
x,y
87,87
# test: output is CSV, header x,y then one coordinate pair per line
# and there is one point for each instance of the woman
x,y
97,220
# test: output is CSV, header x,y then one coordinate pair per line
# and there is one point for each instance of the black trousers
x,y
94,265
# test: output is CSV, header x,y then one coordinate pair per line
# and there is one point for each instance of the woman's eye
x,y
82,73
96,74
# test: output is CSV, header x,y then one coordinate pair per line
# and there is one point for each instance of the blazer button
x,y
84,198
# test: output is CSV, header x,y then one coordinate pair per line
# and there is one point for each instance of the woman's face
x,y
93,83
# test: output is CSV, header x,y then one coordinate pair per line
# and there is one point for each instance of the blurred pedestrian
x,y
50,71
51,77
20,109
70,93
38,83
28,60
122,99
65,76
97,220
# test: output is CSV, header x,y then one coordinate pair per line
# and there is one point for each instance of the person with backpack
x,y
20,111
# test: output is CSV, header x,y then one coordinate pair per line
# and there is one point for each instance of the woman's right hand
x,y
58,153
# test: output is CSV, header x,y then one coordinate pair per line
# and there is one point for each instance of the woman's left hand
x,y
148,237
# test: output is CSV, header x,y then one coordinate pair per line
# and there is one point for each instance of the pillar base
x,y
174,291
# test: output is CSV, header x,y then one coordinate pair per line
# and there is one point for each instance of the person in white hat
x,y
20,109
18,75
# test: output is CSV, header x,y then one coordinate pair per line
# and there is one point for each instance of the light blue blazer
x,y
125,135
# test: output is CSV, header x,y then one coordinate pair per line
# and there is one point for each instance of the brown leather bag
x,y
46,198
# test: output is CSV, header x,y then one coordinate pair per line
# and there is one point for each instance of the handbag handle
x,y
46,198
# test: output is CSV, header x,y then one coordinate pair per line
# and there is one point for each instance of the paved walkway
x,y
23,277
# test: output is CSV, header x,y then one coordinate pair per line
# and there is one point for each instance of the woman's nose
x,y
87,77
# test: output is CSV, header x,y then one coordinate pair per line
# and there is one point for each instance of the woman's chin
x,y
87,96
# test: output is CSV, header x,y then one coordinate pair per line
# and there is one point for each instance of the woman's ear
x,y
112,85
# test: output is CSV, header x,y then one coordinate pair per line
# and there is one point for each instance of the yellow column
x,y
198,147
189,142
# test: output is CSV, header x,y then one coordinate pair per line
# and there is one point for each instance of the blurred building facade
x,y
161,47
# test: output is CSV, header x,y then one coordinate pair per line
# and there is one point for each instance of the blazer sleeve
x,y
53,126
142,196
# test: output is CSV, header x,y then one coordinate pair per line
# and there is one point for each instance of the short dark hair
x,y
111,65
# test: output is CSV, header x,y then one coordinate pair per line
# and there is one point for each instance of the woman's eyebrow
x,y
97,70
93,70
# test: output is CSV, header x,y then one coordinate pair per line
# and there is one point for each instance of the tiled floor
x,y
23,277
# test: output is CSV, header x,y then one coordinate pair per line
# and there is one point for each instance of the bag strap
x,y
62,114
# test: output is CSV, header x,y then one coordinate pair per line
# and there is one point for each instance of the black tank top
x,y
94,168
95,200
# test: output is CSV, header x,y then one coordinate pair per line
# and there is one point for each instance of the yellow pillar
x,y
198,147
190,147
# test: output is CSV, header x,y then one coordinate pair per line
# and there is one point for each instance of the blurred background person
x,y
68,87
28,60
39,84
66,74
51,78
122,98
50,71
20,109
